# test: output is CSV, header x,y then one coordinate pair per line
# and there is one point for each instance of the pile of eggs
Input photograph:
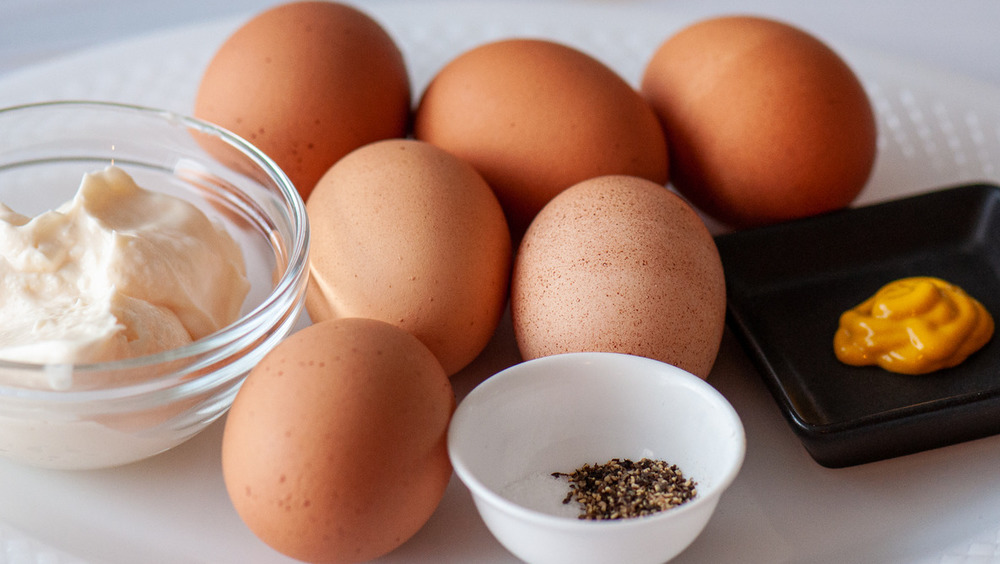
x,y
528,171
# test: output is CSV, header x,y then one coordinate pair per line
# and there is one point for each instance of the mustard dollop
x,y
913,326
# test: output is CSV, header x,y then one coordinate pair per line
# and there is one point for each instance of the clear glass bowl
x,y
113,413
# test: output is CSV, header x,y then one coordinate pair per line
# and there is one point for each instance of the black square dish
x,y
787,285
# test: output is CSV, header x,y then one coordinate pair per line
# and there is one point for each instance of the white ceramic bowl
x,y
113,413
556,413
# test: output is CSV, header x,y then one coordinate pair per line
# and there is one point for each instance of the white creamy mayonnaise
x,y
117,272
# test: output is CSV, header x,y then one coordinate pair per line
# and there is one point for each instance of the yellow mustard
x,y
913,326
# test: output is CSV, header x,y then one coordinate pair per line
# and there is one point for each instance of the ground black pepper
x,y
621,488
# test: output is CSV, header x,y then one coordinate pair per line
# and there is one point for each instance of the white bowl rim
x,y
501,503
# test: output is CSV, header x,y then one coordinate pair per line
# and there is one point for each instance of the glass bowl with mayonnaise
x,y
148,261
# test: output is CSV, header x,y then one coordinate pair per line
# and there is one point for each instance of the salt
x,y
541,492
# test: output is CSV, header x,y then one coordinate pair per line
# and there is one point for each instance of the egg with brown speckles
x,y
536,116
619,264
405,232
307,82
764,121
335,447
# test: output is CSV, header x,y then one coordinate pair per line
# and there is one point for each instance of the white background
x,y
958,37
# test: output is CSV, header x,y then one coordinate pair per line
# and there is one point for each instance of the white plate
x,y
941,506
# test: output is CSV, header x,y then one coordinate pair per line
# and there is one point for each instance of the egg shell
x,y
764,122
407,233
619,264
334,449
307,82
535,117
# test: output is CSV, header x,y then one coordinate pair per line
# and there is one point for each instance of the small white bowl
x,y
556,413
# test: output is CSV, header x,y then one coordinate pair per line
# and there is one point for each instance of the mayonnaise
x,y
117,272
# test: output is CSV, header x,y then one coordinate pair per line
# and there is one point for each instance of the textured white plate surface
x,y
941,506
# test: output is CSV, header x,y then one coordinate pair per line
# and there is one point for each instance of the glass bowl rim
x,y
292,280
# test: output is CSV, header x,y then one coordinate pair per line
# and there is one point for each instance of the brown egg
x,y
335,448
535,117
407,233
307,82
764,122
619,264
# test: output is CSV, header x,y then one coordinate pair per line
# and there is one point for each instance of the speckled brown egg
x,y
619,264
335,447
764,121
307,82
535,117
404,232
